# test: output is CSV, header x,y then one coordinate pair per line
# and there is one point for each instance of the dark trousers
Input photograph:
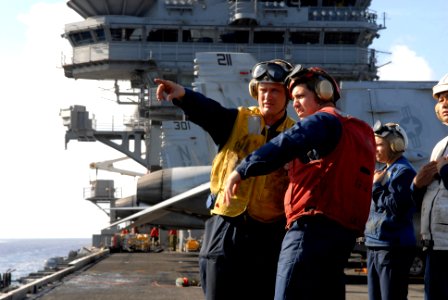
x,y
238,258
388,272
314,253
436,275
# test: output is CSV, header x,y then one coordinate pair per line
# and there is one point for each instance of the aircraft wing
x,y
173,210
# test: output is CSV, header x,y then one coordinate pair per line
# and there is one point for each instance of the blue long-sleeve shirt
x,y
311,138
390,221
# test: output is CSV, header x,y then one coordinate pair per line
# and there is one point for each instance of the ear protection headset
x,y
275,70
395,135
397,144
323,89
253,89
317,79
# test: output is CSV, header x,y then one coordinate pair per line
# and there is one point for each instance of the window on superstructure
x,y
271,37
162,35
186,36
116,34
100,35
237,37
81,38
304,38
133,34
341,38
202,35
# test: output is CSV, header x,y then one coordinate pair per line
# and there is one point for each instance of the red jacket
x,y
338,185
154,232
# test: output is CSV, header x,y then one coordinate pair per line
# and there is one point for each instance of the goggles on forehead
x,y
302,75
269,71
299,72
390,128
384,130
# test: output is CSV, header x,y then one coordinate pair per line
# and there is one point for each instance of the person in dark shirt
x,y
389,234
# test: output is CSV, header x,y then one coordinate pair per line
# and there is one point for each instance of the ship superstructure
x,y
130,39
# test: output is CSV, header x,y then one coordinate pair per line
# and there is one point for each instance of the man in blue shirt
x,y
389,233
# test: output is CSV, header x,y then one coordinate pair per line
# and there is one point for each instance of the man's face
x,y
442,107
305,103
272,101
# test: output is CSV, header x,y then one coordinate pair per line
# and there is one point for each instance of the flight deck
x,y
156,276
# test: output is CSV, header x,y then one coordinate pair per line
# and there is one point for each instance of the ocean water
x,y
26,256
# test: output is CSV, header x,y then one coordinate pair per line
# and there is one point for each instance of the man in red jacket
x,y
331,160
154,235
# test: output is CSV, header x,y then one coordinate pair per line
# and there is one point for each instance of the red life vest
x,y
338,185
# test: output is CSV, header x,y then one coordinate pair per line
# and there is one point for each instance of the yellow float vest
x,y
261,196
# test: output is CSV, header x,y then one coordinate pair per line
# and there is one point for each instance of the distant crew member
x,y
172,239
154,235
389,233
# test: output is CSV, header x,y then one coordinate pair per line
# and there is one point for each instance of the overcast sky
x,y
42,185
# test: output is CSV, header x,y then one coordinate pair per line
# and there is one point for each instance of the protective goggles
x,y
384,130
299,72
269,71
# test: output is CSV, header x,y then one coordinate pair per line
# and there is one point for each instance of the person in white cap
x,y
430,188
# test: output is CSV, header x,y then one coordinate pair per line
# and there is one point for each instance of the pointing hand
x,y
168,90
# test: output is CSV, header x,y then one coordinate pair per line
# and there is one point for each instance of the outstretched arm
x,y
231,186
168,90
